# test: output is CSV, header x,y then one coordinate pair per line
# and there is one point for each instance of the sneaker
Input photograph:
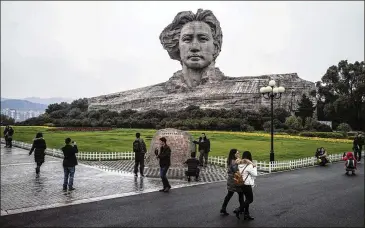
x,y
167,189
161,190
142,175
71,189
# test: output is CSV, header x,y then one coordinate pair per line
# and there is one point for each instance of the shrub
x,y
267,126
309,123
292,132
293,123
247,128
344,127
322,127
322,135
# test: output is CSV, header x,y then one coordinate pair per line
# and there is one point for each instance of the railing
x,y
294,164
220,161
85,156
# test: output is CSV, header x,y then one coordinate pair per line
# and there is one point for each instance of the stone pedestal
x,y
180,142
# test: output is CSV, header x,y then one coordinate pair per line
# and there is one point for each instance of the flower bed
x,y
80,129
285,136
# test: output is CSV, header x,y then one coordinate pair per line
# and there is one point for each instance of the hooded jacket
x,y
39,147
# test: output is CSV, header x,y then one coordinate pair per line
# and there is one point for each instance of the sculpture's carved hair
x,y
170,36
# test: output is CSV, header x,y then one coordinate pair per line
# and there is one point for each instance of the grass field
x,y
285,147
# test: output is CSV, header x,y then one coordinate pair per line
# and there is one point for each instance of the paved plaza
x,y
22,191
107,194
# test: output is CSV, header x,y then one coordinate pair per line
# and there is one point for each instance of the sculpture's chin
x,y
196,65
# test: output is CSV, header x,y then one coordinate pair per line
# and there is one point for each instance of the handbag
x,y
238,179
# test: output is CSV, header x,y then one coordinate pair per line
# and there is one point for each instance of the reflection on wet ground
x,y
21,188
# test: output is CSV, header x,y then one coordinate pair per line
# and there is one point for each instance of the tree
x,y
305,108
343,127
309,123
281,114
341,92
294,123
82,104
6,120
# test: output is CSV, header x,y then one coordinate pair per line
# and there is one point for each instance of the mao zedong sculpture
x,y
195,40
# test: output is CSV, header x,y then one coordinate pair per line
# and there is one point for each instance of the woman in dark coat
x,y
39,147
231,187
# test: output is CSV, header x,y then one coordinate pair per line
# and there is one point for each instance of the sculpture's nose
x,y
195,46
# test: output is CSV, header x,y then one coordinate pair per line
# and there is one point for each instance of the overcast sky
x,y
84,49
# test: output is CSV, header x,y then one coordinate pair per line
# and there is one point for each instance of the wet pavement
x,y
310,197
22,191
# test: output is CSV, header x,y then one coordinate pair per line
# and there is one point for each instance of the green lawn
x,y
221,142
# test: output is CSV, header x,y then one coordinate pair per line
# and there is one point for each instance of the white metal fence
x,y
220,161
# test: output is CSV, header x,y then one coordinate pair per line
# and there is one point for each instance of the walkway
x,y
21,191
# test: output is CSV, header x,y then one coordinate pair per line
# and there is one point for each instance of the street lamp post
x,y
272,92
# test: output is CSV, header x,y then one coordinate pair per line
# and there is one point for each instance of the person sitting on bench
x,y
193,169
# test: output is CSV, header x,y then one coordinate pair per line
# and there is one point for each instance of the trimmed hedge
x,y
323,135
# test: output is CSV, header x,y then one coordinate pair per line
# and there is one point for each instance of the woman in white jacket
x,y
249,172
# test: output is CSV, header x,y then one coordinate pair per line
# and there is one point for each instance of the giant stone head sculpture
x,y
193,39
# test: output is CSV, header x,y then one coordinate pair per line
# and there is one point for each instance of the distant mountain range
x,y
48,101
31,103
22,105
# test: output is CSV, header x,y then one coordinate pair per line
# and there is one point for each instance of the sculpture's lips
x,y
195,56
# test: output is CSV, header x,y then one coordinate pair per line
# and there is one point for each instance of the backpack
x,y
238,179
351,164
136,146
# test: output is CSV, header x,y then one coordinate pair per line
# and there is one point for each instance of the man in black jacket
x,y
165,162
139,149
8,135
6,130
204,149
69,163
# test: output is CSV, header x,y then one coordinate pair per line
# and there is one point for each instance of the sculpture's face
x,y
196,45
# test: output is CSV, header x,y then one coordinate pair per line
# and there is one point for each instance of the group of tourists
x,y
39,147
241,170
241,179
164,155
8,135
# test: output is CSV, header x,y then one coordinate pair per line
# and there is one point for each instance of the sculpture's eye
x,y
203,39
186,39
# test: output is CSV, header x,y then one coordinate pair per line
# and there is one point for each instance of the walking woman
x,y
39,146
234,154
249,172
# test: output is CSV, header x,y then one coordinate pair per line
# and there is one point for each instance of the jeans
x,y
247,191
228,198
203,154
163,172
69,176
8,141
139,160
